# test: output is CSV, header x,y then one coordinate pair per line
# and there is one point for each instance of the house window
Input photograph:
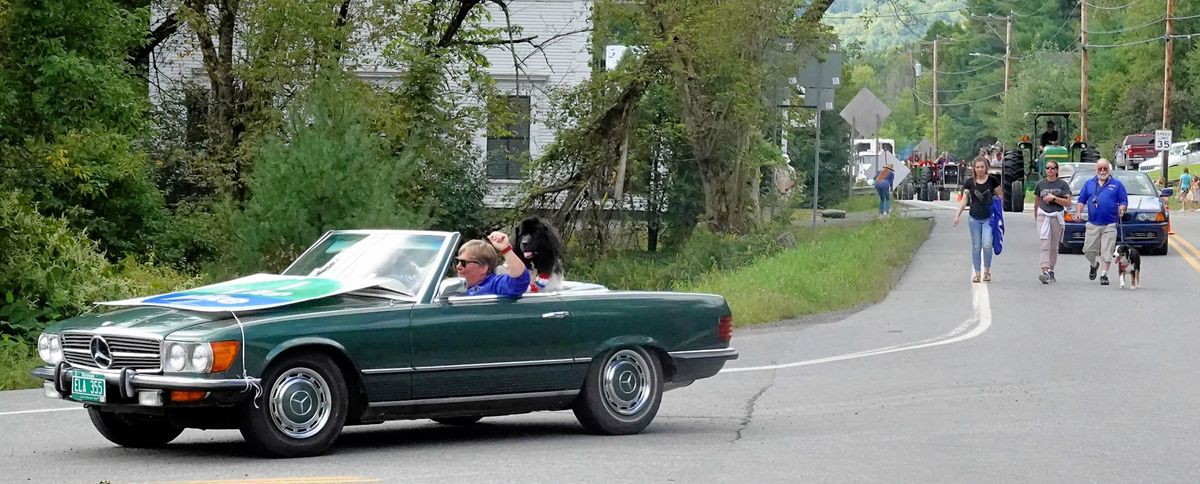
x,y
195,102
508,150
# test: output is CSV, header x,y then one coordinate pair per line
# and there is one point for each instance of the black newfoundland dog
x,y
541,249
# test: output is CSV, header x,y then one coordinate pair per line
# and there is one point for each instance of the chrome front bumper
x,y
129,381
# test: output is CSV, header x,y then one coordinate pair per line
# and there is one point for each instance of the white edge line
x,y
43,410
982,320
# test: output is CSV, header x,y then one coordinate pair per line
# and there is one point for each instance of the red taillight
x,y
725,328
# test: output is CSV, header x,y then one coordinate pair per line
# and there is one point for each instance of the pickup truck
x,y
1135,149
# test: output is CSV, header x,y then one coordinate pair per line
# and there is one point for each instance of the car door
x,y
487,345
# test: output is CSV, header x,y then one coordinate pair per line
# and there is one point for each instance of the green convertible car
x,y
365,327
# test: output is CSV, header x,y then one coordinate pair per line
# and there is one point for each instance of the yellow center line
x,y
1189,252
287,480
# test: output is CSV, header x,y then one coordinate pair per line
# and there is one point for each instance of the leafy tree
x,y
327,170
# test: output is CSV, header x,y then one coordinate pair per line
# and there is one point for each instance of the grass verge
x,y
16,359
838,270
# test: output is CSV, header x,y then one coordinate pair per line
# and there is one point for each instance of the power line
x,y
1126,44
927,103
1122,7
994,84
980,68
1127,29
1189,17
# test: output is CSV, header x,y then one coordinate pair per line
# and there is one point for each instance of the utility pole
x,y
1166,114
1007,52
935,96
1083,70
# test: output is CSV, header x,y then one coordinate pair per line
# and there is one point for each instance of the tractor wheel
x,y
1089,155
1017,196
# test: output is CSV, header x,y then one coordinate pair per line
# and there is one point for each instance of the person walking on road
x,y
1106,200
1053,196
883,186
980,189
1185,186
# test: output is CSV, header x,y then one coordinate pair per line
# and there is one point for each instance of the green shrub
x,y
16,359
327,171
49,271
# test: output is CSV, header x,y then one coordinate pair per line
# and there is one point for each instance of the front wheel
x,y
1018,196
1160,250
621,393
138,431
306,402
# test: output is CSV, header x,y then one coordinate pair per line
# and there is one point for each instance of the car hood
x,y
145,320
1142,203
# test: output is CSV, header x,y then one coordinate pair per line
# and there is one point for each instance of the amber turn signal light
x,y
186,396
223,354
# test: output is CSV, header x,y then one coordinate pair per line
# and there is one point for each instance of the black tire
x,y
930,192
275,427
621,393
1062,249
1089,155
138,431
469,420
1018,196
1160,250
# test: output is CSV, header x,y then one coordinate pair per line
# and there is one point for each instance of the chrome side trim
x,y
584,360
472,399
501,364
386,371
472,366
726,353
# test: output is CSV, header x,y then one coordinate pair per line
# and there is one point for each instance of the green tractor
x,y
1026,165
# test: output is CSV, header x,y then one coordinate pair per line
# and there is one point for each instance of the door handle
x,y
556,315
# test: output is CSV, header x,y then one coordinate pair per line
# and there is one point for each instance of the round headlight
x,y
44,347
1145,217
202,358
176,357
56,354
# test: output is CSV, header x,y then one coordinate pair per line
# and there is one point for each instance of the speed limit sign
x,y
1162,139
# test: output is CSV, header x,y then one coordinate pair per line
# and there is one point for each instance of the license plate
x,y
87,386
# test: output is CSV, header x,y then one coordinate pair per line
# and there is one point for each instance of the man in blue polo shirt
x,y
1106,200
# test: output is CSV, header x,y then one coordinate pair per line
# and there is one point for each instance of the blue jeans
x,y
981,241
885,199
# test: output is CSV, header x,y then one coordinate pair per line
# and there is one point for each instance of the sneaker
x,y
1044,277
1052,279
1104,280
1092,272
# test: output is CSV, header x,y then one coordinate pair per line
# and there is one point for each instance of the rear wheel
x,y
305,408
139,431
621,393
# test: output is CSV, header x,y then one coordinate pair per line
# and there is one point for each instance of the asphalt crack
x,y
750,404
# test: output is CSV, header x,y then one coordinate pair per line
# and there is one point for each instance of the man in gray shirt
x,y
1052,195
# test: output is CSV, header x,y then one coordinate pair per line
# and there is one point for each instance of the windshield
x,y
1139,140
406,259
1136,183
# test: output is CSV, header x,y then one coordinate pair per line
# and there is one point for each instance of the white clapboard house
x,y
560,59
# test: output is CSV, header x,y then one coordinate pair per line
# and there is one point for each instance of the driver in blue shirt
x,y
477,261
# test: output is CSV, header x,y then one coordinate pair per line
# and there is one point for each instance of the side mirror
x,y
1167,192
453,286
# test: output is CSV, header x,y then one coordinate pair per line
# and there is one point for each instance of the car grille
x,y
127,351
1141,235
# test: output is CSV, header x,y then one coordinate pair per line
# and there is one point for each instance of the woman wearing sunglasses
x,y
477,261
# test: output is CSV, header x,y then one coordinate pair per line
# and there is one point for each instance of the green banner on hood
x,y
259,291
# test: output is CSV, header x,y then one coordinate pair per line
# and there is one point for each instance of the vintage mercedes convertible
x,y
364,327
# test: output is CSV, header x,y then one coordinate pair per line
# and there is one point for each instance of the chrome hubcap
x,y
626,383
300,402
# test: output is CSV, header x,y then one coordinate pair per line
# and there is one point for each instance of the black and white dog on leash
x,y
1129,264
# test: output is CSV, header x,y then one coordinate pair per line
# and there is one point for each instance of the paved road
x,y
943,381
